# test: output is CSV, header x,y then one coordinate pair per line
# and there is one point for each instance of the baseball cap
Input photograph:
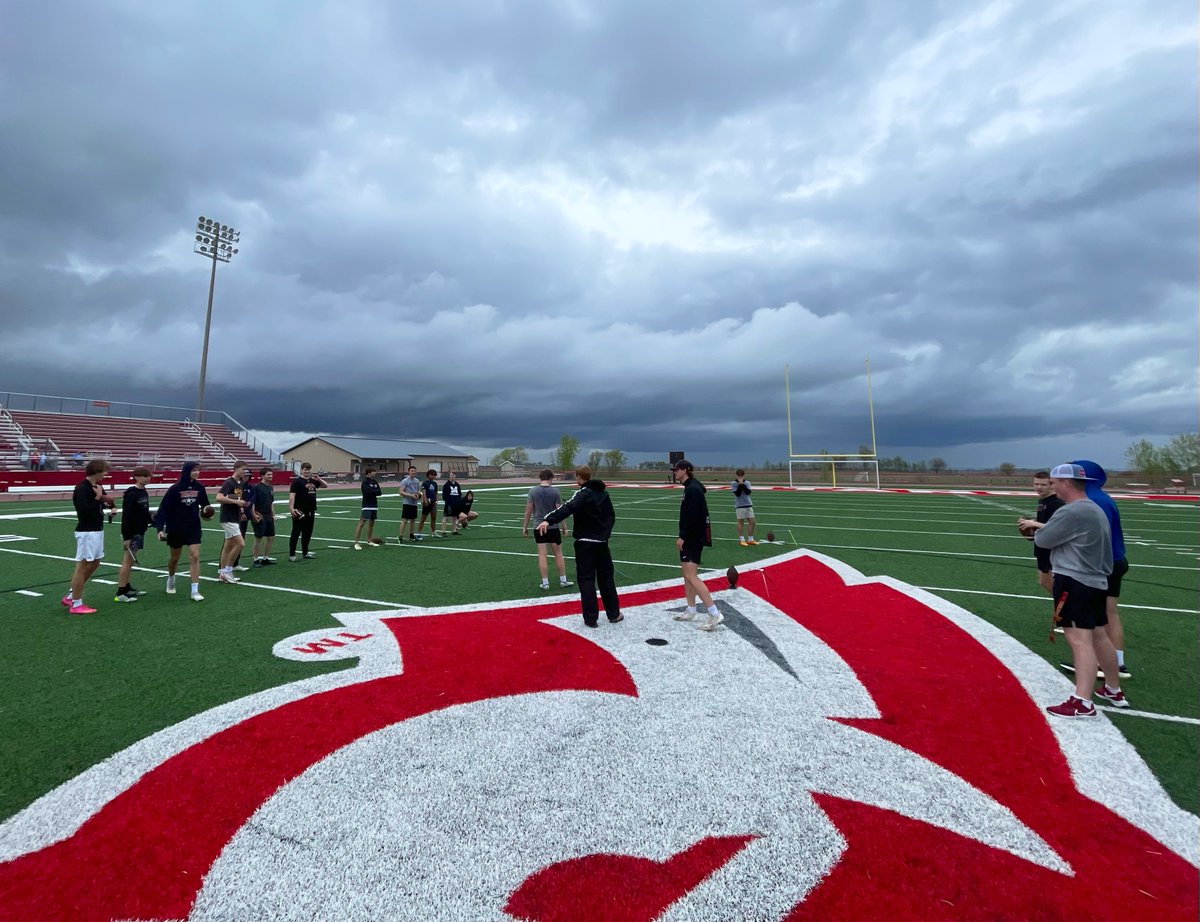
x,y
683,464
1070,472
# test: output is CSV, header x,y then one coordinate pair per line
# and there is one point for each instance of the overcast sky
x,y
490,223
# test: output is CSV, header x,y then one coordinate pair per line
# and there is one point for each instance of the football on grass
x,y
770,536
377,541
208,512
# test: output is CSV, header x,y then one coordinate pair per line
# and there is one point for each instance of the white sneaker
x,y
565,583
357,546
170,585
543,586
197,597
713,622
685,615
240,568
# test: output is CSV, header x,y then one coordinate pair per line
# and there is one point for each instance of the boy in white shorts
x,y
89,534
231,499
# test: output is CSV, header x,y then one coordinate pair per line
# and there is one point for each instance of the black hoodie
x,y
693,514
179,509
593,511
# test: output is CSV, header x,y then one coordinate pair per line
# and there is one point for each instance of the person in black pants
x,y
302,504
594,520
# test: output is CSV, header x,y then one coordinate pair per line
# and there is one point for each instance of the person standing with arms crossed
x,y
743,507
594,521
302,505
1080,544
88,500
371,491
544,499
694,536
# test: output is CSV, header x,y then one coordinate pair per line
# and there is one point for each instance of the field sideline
x,y
76,690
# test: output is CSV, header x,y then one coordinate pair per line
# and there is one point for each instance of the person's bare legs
x,y
560,562
83,572
543,569
1106,659
694,585
1083,657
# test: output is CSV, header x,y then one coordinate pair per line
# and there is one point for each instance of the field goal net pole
x,y
833,459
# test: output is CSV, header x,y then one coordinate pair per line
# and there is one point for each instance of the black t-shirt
x,y
1046,508
264,500
135,512
429,488
305,489
229,512
451,493
371,491
88,509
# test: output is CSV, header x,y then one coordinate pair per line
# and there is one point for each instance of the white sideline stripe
x,y
213,579
1132,713
1046,598
29,592
903,550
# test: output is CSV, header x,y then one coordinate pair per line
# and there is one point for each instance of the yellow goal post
x,y
856,463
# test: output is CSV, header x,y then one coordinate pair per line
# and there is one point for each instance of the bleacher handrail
x,y
86,406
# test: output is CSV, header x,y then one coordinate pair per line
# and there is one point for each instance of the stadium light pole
x,y
215,241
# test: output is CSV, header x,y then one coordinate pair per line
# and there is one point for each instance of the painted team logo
x,y
843,749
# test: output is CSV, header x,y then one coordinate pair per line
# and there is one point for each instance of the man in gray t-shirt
x,y
1079,539
410,492
544,499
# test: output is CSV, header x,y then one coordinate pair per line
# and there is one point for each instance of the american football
x,y
770,536
1026,531
208,512
732,575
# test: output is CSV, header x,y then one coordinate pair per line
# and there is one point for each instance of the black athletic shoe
x,y
616,620
591,623
138,592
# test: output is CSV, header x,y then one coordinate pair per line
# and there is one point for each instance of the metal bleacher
x,y
126,438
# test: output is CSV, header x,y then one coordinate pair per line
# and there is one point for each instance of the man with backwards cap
x,y
1080,543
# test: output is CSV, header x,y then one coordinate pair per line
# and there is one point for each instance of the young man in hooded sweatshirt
x,y
694,536
178,523
594,521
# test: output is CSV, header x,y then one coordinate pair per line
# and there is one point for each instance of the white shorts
x,y
89,545
743,512
231,529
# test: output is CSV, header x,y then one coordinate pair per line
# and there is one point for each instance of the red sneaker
x,y
80,609
1115,698
1073,707
67,602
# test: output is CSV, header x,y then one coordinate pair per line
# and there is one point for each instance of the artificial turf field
x,y
74,690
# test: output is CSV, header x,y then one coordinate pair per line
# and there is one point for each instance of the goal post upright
x,y
831,458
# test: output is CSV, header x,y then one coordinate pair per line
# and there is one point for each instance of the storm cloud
x,y
493,223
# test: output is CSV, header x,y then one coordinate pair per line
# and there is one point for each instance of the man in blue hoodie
x,y
178,523
1095,492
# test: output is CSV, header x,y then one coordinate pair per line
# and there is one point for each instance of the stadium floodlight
x,y
214,241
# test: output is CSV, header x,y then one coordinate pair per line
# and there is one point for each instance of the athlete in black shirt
x,y
694,535
88,499
1048,503
371,491
135,519
302,504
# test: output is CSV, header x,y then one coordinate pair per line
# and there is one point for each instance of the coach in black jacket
x,y
594,520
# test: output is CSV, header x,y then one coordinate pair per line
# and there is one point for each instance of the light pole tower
x,y
216,241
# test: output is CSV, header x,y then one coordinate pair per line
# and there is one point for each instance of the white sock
x,y
195,588
1087,701
563,580
545,584
1120,658
713,611
78,601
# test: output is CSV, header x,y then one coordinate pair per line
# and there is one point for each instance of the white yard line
x,y
1046,598
1132,713
213,579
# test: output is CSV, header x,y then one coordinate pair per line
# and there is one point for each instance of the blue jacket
x,y
1105,502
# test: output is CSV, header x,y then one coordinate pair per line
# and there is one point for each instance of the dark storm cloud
x,y
497,223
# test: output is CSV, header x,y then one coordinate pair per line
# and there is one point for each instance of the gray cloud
x,y
499,223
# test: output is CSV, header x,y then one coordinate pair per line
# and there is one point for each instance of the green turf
x,y
75,690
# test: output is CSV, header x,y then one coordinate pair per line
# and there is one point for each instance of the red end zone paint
x,y
940,693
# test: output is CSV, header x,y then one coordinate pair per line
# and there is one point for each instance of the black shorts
x,y
1077,605
449,511
369,515
265,528
1042,555
552,536
136,542
1120,568
408,512
691,553
177,539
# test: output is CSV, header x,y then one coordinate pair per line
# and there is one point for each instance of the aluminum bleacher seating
x,y
126,443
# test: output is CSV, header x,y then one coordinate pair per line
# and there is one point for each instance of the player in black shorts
x,y
694,535
135,519
452,497
263,516
1047,504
